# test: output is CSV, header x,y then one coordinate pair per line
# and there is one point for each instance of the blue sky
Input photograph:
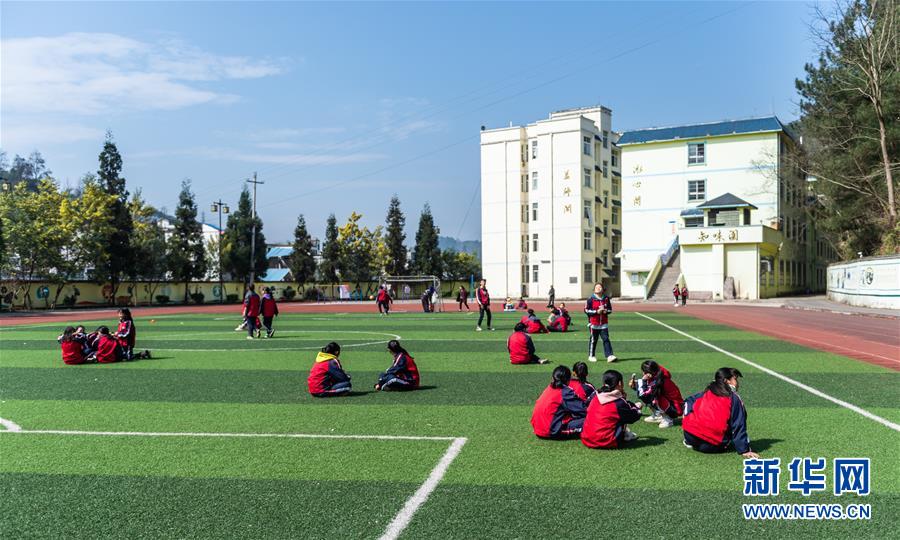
x,y
340,105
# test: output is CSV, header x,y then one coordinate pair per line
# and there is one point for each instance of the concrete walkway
x,y
810,303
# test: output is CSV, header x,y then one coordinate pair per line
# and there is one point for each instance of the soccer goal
x,y
413,288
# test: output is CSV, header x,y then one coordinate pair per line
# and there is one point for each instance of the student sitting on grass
x,y
108,348
558,412
327,377
608,415
521,348
579,383
559,319
403,373
508,305
656,389
521,304
533,324
72,346
716,418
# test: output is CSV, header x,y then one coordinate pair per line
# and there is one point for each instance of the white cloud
x,y
400,118
230,154
93,73
35,135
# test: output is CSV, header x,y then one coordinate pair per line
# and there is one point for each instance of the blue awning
x,y
279,251
275,274
692,212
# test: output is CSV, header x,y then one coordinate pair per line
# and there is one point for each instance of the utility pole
x,y
255,183
221,208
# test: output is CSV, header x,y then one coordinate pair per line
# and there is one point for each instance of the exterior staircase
x,y
662,289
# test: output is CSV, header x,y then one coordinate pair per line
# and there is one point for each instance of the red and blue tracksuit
x,y
558,413
533,325
127,336
608,416
560,322
383,300
72,352
598,309
109,350
584,390
662,394
327,377
521,349
483,298
402,375
713,423
251,311
269,309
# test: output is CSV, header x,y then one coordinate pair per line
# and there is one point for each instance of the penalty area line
x,y
798,384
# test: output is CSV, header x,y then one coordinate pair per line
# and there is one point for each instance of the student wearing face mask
x,y
715,419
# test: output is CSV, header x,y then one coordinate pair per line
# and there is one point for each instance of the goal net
x,y
414,288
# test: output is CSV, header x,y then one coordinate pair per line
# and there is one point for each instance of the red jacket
x,y
663,389
268,307
251,304
383,297
597,318
404,367
325,373
554,409
108,350
126,334
482,296
584,390
718,420
72,352
520,347
533,325
676,291
607,416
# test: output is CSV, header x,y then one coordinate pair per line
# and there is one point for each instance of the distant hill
x,y
469,246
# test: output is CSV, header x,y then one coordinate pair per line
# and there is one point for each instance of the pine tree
x,y
331,251
236,247
302,263
427,254
395,238
119,257
186,255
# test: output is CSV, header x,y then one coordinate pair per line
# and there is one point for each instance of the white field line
x,y
394,528
798,384
405,515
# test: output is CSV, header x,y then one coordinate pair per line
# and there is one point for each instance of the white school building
x,y
551,205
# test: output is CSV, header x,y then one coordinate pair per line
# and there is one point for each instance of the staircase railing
x,y
663,261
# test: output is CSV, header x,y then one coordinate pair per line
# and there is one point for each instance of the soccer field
x,y
216,435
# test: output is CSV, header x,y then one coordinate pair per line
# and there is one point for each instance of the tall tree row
x,y
186,253
302,262
426,254
237,242
395,239
114,267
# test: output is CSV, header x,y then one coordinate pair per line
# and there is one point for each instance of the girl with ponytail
x,y
403,373
716,419
558,412
608,415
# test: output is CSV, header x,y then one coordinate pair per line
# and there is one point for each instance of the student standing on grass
x,y
251,311
403,373
716,419
484,305
551,298
384,301
608,415
462,297
656,389
427,296
676,292
558,412
579,383
598,308
327,377
269,309
521,347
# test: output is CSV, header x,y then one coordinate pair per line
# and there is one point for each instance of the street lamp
x,y
220,208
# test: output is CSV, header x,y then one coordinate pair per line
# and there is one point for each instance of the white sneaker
x,y
666,422
654,418
686,445
239,328
611,358
629,435
478,329
491,329
592,358
249,337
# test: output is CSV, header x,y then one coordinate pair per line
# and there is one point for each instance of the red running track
x,y
875,340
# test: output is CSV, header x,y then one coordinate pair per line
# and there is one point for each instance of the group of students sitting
x,y
327,377
714,420
557,321
101,346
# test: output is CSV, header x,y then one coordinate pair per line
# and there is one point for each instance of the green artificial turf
x,y
505,483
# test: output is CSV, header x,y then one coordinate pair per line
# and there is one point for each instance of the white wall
x,y
871,282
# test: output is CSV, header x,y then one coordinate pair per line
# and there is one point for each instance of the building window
x,y
586,145
534,242
615,246
524,154
605,139
524,243
696,190
605,257
533,149
638,278
534,180
533,211
614,157
587,178
605,169
524,273
588,236
693,221
524,183
534,274
605,199
615,215
587,211
606,228
524,213
615,186
696,153
588,273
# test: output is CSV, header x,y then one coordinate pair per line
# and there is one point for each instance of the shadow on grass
x,y
761,445
643,441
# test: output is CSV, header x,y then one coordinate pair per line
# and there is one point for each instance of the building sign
x,y
718,236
